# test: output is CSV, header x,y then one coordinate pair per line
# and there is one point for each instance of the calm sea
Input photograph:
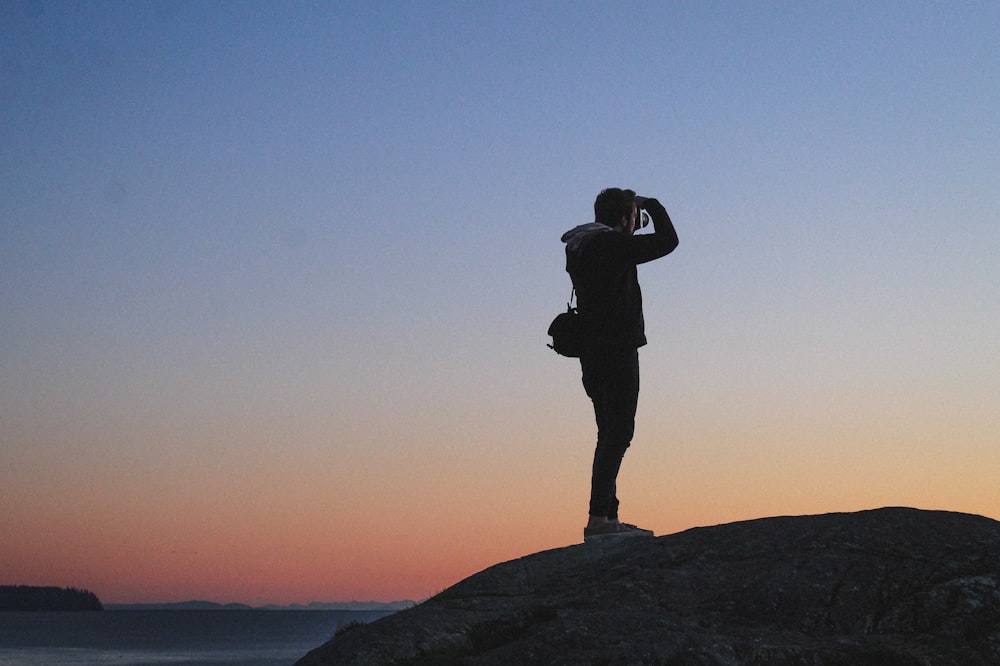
x,y
175,638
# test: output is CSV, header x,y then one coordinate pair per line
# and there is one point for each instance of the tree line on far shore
x,y
29,598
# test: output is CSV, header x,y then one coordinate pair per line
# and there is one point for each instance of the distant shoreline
x,y
35,598
354,606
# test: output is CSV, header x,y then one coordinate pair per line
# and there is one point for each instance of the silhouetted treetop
x,y
28,598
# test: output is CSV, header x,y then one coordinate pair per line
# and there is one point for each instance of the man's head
x,y
615,208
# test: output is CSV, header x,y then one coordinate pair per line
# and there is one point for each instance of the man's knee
x,y
613,446
620,431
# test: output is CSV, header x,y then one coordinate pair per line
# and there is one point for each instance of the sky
x,y
275,279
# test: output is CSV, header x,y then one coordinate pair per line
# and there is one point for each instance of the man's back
x,y
609,299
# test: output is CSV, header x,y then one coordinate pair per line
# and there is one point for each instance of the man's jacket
x,y
602,264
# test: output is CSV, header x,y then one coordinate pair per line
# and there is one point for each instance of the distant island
x,y
28,598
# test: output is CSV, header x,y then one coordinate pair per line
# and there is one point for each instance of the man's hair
x,y
612,204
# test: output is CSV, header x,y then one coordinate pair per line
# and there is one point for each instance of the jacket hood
x,y
575,237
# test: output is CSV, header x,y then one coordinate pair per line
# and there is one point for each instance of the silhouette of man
x,y
601,258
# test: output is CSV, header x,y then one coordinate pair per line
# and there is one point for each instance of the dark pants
x,y
611,379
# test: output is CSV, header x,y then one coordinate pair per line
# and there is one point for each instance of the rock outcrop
x,y
888,587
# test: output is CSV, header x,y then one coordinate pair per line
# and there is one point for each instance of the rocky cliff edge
x,y
887,587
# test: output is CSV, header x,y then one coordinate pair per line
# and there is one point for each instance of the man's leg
x,y
612,382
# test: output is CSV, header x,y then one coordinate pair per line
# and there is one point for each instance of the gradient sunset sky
x,y
275,279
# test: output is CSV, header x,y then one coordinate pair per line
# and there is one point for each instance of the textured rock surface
x,y
888,587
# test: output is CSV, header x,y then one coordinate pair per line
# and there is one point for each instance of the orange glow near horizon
x,y
350,538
